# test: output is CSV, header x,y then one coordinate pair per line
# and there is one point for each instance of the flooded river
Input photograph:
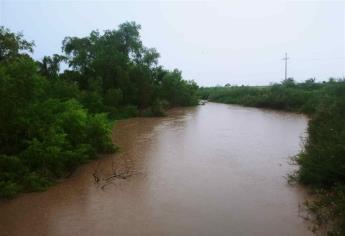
x,y
209,170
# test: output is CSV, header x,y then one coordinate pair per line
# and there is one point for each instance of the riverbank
x,y
208,170
321,163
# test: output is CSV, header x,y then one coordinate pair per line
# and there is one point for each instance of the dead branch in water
x,y
119,174
96,178
122,175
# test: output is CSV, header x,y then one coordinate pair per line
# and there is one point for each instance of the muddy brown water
x,y
209,170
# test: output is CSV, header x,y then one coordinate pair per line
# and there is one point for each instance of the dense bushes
x,y
51,122
42,137
301,97
322,163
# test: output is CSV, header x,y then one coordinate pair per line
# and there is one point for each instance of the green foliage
x,y
125,71
63,90
13,45
50,66
92,100
178,92
113,97
51,122
9,189
302,97
98,129
44,131
158,107
322,163
123,112
11,170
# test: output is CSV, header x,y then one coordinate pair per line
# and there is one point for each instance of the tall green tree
x,y
13,44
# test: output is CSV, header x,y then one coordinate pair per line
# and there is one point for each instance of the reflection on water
x,y
209,170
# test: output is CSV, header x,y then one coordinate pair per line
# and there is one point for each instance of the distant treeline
x,y
322,163
52,121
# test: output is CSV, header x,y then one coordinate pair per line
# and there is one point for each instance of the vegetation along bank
x,y
53,121
322,162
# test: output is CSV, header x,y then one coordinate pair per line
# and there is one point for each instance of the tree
x,y
50,66
13,44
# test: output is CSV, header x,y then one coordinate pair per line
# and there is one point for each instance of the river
x,y
209,170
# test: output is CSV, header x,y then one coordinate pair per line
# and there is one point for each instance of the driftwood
x,y
96,178
117,174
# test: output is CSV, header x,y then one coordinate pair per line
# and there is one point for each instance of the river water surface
x,y
209,170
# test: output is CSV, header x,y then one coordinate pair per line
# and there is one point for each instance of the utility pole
x,y
285,59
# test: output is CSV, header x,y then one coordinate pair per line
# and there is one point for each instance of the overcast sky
x,y
213,43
